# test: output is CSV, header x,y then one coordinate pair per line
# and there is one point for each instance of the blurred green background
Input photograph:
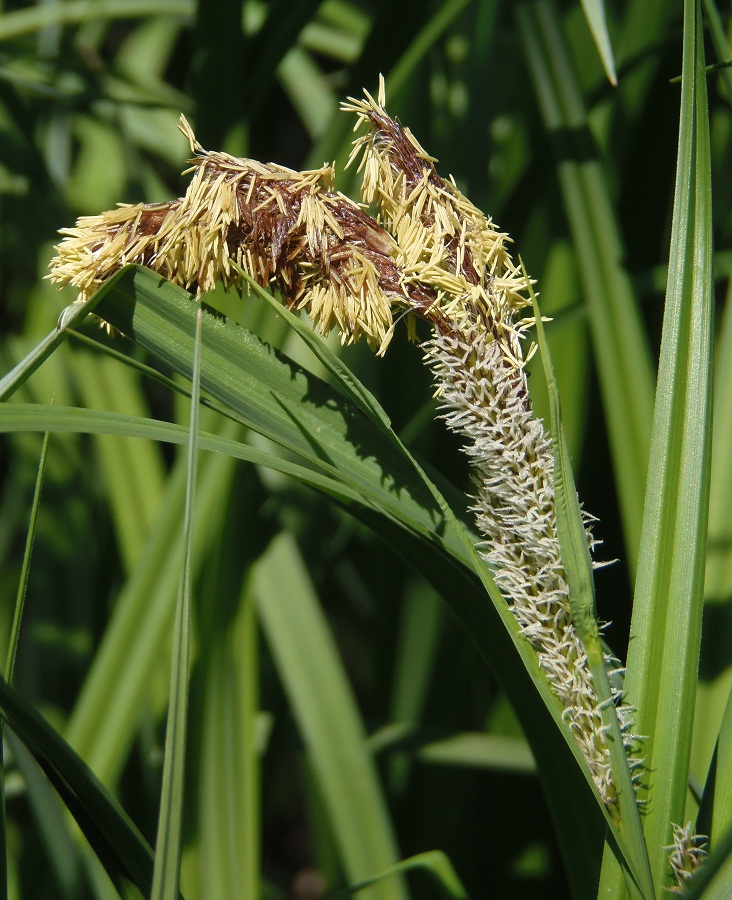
x,y
513,100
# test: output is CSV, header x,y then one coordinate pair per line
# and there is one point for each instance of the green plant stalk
x,y
12,653
578,566
166,875
620,344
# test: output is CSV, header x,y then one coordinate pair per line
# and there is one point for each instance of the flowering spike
x,y
286,229
476,356
443,240
688,852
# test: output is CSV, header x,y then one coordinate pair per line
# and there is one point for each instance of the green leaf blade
x,y
665,634
327,716
620,345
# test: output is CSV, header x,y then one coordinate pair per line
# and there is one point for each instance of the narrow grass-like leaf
x,y
104,823
71,316
326,712
133,471
433,861
715,813
62,848
595,15
166,876
578,567
229,820
344,380
21,417
27,21
663,652
493,752
620,345
13,651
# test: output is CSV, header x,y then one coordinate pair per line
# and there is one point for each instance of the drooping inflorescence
x,y
288,230
429,251
477,359
442,239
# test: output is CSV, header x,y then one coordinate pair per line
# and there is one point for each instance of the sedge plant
x,y
416,248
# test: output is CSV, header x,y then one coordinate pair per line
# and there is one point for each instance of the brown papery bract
x,y
288,230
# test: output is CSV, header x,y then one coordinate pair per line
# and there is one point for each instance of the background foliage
x,y
513,100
